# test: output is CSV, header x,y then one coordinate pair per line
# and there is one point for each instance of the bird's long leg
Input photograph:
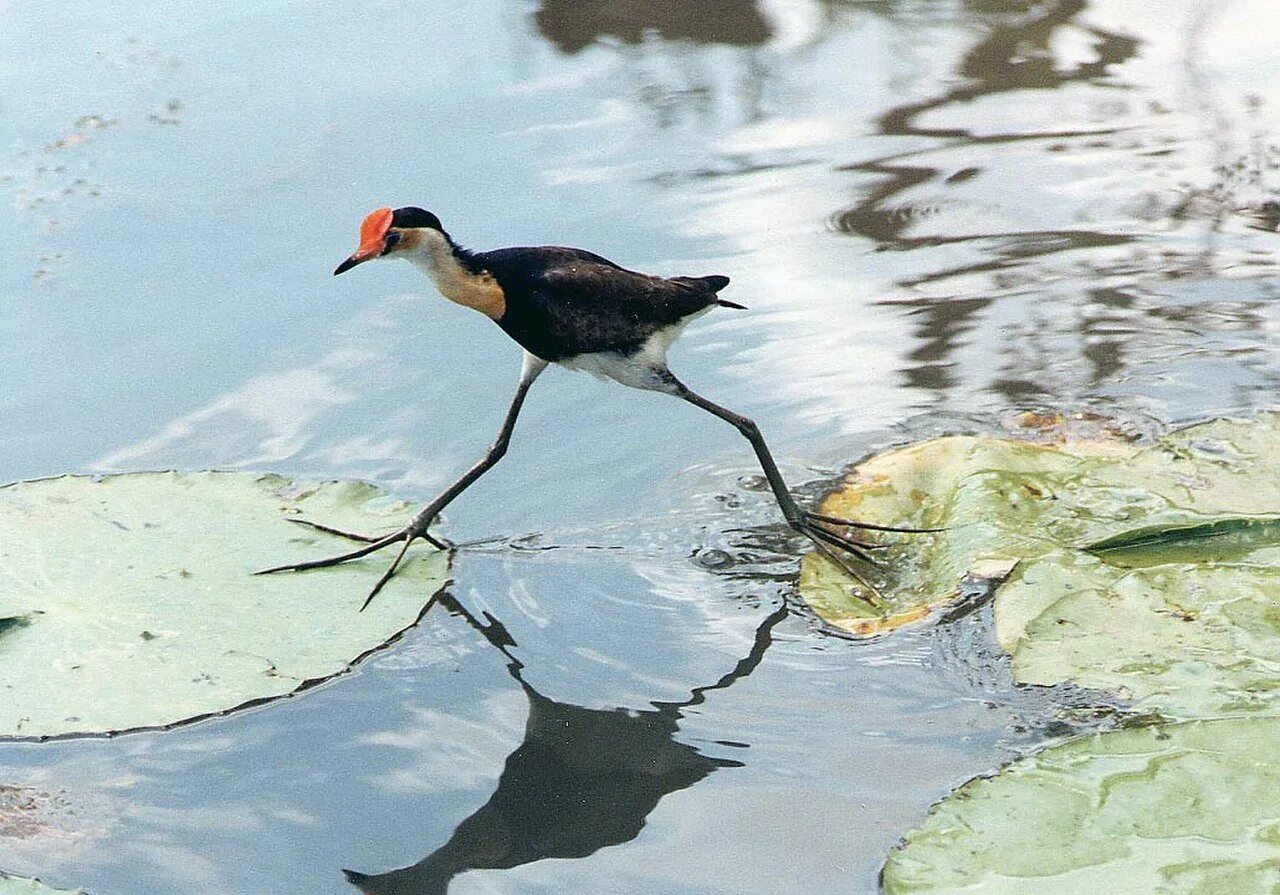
x,y
795,516
417,527
801,520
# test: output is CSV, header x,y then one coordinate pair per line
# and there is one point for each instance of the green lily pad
x,y
1182,808
128,601
1149,571
16,885
999,501
1183,640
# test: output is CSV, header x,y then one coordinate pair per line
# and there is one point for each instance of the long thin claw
x,y
836,541
335,560
349,535
872,595
366,539
862,545
386,576
867,526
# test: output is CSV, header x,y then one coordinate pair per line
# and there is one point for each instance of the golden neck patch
x,y
430,250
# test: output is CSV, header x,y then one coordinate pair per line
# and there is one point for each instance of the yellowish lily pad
x,y
997,499
1149,571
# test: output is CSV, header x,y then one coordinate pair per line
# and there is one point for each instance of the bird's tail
x,y
702,284
712,284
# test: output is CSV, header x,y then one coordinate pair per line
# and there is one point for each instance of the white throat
x,y
431,253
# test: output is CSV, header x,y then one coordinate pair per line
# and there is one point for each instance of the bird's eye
x,y
390,243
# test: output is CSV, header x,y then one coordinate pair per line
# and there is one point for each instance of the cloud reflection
x,y
313,415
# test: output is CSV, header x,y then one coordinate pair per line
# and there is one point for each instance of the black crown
x,y
412,218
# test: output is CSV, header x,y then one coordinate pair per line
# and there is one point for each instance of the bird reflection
x,y
582,779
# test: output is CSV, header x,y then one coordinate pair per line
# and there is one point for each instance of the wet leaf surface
x,y
16,885
128,601
1177,809
1145,571
997,499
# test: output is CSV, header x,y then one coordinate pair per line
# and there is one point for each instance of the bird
x,y
577,310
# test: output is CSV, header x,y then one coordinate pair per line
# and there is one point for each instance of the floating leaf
x,y
1222,539
1175,809
1187,641
1151,572
1000,502
138,608
16,885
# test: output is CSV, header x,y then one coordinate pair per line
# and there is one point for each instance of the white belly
x,y
632,371
646,369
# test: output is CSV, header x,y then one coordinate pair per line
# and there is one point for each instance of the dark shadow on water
x,y
582,779
1015,55
573,25
657,47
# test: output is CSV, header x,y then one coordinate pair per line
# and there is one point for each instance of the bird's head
x,y
386,233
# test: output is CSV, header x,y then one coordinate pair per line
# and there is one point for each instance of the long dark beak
x,y
349,263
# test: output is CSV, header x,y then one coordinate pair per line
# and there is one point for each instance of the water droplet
x,y
713,558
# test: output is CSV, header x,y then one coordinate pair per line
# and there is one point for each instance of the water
x,y
940,213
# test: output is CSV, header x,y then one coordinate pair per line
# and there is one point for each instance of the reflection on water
x,y
575,24
581,780
1014,55
1110,320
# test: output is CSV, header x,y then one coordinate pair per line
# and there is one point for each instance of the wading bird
x,y
576,309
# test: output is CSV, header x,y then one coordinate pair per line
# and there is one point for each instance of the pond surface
x,y
940,213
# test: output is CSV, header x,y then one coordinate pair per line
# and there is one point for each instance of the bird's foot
x,y
811,516
838,549
368,539
818,530
417,529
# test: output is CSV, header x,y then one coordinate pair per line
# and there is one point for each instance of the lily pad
x,y
1075,519
999,501
1183,640
1181,808
128,601
17,885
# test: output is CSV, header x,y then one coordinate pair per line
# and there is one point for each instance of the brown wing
x,y
591,307
566,302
